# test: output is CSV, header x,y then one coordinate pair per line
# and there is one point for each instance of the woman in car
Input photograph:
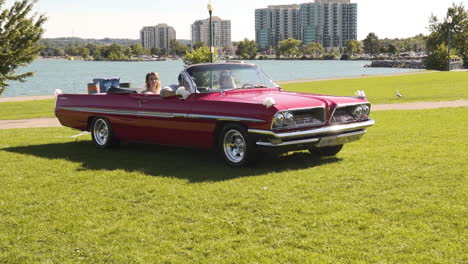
x,y
152,83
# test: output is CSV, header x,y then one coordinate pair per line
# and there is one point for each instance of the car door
x,y
165,120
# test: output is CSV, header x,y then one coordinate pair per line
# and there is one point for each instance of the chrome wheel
x,y
234,146
101,132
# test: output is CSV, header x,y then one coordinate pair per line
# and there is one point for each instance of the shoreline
x,y
44,97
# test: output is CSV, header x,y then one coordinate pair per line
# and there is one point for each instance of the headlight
x,y
278,120
357,111
365,110
288,119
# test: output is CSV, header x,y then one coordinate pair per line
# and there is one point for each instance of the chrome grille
x,y
342,115
309,117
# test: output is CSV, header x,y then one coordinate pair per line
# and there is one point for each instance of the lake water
x,y
73,76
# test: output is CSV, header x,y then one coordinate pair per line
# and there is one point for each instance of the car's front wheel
x,y
102,133
235,145
326,151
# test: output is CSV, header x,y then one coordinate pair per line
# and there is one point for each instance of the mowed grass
x,y
396,196
433,86
27,109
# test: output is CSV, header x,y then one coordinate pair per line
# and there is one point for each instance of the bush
x,y
437,60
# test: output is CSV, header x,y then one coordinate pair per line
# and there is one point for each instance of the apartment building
x,y
329,22
158,36
221,32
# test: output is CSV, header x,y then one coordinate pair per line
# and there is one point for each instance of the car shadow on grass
x,y
165,161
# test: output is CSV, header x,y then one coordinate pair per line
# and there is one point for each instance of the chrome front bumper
x,y
324,136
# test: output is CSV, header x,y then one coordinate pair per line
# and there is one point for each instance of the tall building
x,y
158,36
330,22
221,32
276,23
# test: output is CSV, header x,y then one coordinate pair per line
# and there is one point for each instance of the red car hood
x,y
283,99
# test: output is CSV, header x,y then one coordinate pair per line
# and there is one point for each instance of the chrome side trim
x,y
296,142
162,114
316,131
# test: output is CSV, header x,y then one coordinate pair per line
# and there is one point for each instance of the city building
x,y
276,23
158,36
221,32
332,23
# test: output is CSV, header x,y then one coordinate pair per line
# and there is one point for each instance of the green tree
x,y
392,49
371,44
200,55
247,49
438,58
138,50
199,44
314,49
178,48
458,29
289,47
353,47
20,34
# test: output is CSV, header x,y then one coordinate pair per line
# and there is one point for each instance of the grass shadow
x,y
165,161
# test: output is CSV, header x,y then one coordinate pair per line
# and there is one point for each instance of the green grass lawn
x,y
396,196
435,86
27,109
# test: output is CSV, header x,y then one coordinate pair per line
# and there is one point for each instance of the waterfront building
x,y
276,23
158,36
221,32
332,23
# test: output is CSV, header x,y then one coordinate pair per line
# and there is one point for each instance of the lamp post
x,y
449,24
210,11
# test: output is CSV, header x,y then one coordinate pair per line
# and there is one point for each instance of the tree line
x,y
100,50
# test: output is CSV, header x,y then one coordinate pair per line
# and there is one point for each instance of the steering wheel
x,y
247,85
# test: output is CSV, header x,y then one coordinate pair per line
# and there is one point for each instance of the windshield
x,y
216,77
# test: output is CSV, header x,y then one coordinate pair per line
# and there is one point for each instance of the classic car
x,y
233,107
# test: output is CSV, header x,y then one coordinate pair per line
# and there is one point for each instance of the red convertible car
x,y
233,107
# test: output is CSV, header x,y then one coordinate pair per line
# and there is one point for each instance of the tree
x,y
371,44
458,29
437,60
138,50
200,55
247,49
178,48
20,34
199,44
314,49
353,47
289,47
392,49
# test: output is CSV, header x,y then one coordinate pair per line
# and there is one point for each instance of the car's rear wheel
x,y
326,151
102,133
235,145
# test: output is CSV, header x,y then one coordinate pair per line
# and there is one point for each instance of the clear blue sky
x,y
124,18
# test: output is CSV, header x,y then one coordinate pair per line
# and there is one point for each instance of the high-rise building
x,y
330,22
221,32
158,36
276,23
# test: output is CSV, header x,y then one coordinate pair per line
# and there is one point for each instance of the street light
x,y
449,24
210,10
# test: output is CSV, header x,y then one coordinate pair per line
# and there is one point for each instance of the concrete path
x,y
53,122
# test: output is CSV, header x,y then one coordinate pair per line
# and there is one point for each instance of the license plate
x,y
340,139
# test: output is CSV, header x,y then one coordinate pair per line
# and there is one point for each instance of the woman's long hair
x,y
147,78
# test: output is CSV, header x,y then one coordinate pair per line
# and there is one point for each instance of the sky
x,y
124,19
